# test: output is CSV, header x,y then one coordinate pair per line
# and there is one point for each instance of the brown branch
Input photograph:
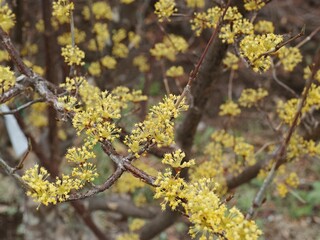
x,y
100,188
7,43
83,213
122,206
22,83
139,173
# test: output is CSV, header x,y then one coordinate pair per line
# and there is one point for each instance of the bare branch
x,y
28,104
97,189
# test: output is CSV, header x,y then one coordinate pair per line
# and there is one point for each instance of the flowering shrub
x,y
94,93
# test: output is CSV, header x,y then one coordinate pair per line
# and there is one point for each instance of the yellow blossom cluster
x,y
236,25
85,172
209,216
136,224
119,49
219,150
46,192
253,48
100,10
7,79
95,69
285,182
109,62
65,39
307,74
289,57
62,10
203,20
299,147
175,71
99,108
264,26
287,110
231,61
102,37
250,97
229,108
253,5
141,62
96,118
175,159
72,55
195,3
93,115
134,39
158,127
170,47
164,9
7,18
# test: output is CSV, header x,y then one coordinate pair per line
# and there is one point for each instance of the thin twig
x,y
20,164
22,107
281,151
194,72
280,45
276,79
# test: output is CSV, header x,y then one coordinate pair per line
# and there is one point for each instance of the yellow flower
x,y
7,18
286,111
229,108
72,55
170,47
264,26
142,63
175,71
120,50
231,61
253,46
7,79
175,160
119,35
250,97
109,62
253,5
100,10
293,180
289,57
282,190
164,9
62,10
65,39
